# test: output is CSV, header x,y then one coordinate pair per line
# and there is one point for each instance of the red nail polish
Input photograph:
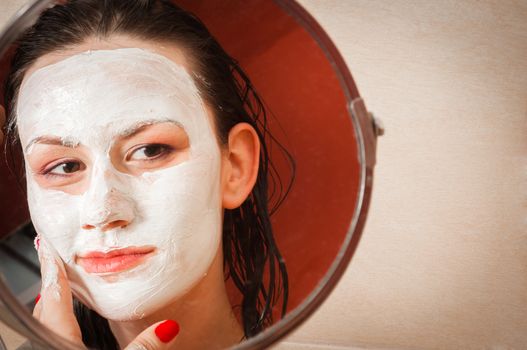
x,y
37,299
167,330
37,242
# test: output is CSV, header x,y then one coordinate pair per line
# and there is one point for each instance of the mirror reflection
x,y
186,187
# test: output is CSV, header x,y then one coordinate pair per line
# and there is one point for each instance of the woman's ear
x,y
240,165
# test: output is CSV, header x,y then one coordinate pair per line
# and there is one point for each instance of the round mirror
x,y
208,163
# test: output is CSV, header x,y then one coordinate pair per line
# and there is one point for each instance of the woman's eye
x,y
65,168
149,152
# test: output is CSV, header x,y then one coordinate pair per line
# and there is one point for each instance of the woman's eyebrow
x,y
142,125
127,133
52,140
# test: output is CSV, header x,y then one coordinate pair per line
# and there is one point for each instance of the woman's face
x,y
123,174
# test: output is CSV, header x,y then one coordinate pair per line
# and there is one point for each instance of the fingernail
x,y
37,298
167,330
37,242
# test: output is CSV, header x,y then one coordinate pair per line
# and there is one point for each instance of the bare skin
x,y
204,313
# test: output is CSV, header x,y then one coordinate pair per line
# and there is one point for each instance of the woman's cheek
x,y
55,217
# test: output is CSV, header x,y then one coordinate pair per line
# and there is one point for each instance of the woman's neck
x,y
204,314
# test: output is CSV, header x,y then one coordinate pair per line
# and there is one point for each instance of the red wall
x,y
296,81
13,208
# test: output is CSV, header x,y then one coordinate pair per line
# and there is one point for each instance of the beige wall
x,y
443,261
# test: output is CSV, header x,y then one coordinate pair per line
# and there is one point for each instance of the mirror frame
x,y
366,129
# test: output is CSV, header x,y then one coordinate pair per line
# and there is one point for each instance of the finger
x,y
36,309
56,302
159,336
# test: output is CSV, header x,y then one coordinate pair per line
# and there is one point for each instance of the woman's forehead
x,y
95,90
167,49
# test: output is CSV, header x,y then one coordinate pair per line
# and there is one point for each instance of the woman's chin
x,y
124,303
127,312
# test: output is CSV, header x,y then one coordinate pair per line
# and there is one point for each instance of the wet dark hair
x,y
251,257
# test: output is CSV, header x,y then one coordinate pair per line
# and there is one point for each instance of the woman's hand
x,y
54,308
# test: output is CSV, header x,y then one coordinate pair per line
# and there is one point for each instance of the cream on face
x,y
89,101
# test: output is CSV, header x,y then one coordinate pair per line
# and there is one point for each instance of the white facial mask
x,y
89,99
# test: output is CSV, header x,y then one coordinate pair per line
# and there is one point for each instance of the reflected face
x,y
123,176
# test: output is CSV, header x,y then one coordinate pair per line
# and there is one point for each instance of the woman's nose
x,y
109,226
111,211
105,207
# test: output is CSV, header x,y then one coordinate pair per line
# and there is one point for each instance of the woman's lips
x,y
116,260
